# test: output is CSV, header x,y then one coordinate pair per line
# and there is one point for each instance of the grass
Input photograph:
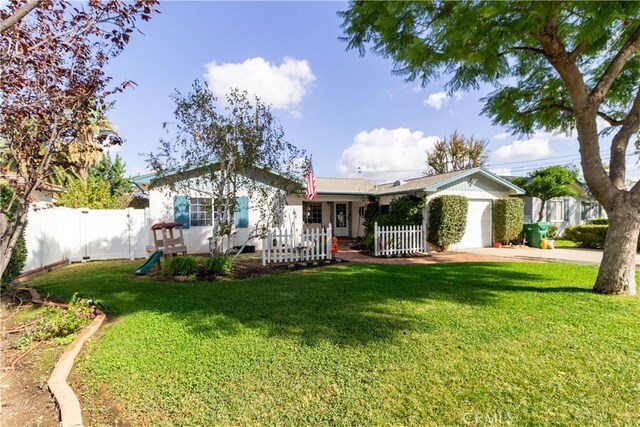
x,y
561,243
441,344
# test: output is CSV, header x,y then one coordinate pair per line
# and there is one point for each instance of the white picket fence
x,y
399,240
289,245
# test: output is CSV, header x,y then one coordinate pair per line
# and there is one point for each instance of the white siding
x,y
196,237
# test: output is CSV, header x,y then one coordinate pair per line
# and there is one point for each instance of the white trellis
x,y
399,239
289,245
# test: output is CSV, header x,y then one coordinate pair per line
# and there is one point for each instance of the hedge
x,y
588,236
19,253
599,221
447,220
508,219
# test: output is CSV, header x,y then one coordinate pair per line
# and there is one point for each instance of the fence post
x,y
376,251
329,241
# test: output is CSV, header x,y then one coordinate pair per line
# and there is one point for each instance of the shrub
x,y
553,231
371,213
369,241
19,254
589,236
599,221
406,210
220,265
181,266
16,263
447,220
57,322
508,218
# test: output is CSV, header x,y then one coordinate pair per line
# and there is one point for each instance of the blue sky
x,y
348,111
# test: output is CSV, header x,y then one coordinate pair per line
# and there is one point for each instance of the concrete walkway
x,y
571,255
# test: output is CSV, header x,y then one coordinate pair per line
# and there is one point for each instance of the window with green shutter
x,y
181,210
242,212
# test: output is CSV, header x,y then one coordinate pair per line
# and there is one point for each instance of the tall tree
x,y
93,193
112,171
554,66
52,83
456,153
548,183
241,147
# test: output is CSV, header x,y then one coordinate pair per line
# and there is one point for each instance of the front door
x,y
342,220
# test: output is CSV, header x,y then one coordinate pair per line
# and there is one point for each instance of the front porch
x,y
346,215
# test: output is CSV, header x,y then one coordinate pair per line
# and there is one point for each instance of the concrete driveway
x,y
572,255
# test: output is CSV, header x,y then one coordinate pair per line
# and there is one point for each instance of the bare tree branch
x,y
18,15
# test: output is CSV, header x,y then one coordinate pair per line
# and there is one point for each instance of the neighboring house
x,y
565,211
339,202
43,196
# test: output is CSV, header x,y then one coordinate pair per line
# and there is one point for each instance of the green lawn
x,y
442,344
561,243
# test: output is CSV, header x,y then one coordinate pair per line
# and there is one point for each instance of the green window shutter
x,y
242,212
181,210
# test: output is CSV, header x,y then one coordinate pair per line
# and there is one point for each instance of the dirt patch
x,y
25,397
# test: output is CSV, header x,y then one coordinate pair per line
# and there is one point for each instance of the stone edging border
x,y
68,403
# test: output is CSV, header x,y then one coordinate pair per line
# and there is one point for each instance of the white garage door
x,y
478,231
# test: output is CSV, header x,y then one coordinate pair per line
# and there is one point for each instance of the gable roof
x,y
150,180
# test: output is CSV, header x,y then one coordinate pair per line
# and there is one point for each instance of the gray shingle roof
x,y
415,184
344,186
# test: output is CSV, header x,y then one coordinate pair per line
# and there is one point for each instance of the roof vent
x,y
398,183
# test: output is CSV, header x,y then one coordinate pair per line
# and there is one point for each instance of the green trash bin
x,y
535,233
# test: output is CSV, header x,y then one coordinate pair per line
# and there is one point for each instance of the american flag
x,y
311,191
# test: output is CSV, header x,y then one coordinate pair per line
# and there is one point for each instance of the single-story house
x,y
565,211
339,202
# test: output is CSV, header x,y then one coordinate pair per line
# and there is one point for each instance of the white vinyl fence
x,y
291,246
56,234
399,240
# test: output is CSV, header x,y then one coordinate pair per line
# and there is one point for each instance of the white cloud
x,y
501,136
283,86
529,149
438,99
386,154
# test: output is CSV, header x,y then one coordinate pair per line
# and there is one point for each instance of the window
x,y
361,210
589,210
556,211
200,211
312,212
